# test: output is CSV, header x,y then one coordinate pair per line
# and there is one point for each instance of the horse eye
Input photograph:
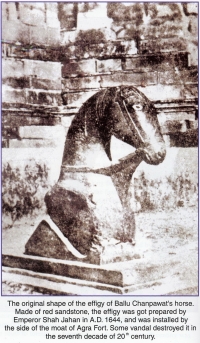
x,y
137,107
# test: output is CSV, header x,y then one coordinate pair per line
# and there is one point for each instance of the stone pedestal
x,y
89,217
78,278
97,247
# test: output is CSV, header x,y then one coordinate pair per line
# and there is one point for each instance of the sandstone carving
x,y
89,204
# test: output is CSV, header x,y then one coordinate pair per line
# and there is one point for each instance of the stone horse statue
x,y
89,206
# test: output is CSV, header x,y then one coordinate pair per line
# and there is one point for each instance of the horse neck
x,y
84,145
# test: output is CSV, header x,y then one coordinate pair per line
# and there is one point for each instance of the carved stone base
x,y
58,277
48,241
72,277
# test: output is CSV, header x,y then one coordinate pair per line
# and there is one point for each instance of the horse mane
x,y
98,108
104,102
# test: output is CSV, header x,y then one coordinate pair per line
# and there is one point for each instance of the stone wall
x,y
56,55
31,76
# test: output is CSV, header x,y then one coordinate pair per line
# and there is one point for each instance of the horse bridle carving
x,y
121,104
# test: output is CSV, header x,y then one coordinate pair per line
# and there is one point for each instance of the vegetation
x,y
23,191
169,193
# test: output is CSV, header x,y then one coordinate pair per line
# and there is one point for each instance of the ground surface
x,y
169,240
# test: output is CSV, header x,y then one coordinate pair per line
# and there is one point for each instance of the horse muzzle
x,y
153,156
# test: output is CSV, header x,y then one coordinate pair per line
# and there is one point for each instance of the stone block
x,y
43,70
42,132
52,14
123,79
77,99
52,19
68,37
32,97
85,279
13,12
162,44
15,31
49,98
10,95
134,64
70,69
92,82
151,78
45,84
157,61
52,98
162,92
12,68
166,77
53,36
31,14
94,19
27,120
32,143
20,82
47,241
178,114
109,65
39,34
185,76
84,67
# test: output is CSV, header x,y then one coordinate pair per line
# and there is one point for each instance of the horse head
x,y
134,121
122,111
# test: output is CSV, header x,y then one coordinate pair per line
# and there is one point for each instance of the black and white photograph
x,y
99,148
